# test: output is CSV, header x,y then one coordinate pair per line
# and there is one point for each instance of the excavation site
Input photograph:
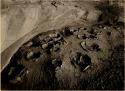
x,y
62,45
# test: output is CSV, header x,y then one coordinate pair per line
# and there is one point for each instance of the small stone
x,y
118,28
81,59
30,55
36,60
76,33
55,49
105,28
73,29
18,78
33,55
82,36
47,39
29,44
100,26
55,35
51,42
57,68
44,46
82,28
11,71
57,39
27,72
86,68
41,38
83,44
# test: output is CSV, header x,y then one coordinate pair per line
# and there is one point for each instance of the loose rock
x,y
55,35
105,27
30,55
11,71
27,72
51,42
44,46
83,44
57,39
82,36
79,36
18,78
29,44
47,39
73,29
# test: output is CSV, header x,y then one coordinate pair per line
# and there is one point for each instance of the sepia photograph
x,y
62,45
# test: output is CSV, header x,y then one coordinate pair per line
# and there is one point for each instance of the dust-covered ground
x,y
83,49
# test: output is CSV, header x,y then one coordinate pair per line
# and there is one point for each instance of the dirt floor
x,y
83,55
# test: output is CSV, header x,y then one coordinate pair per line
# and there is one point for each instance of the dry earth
x,y
79,45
